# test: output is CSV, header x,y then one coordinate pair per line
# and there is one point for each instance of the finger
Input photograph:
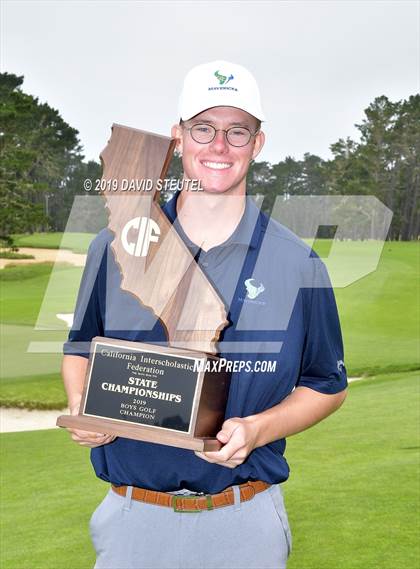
x,y
95,438
227,430
90,435
225,453
228,464
204,456
86,434
223,437
110,439
95,443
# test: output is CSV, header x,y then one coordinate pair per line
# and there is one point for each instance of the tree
x,y
62,198
347,173
406,179
38,152
385,163
42,168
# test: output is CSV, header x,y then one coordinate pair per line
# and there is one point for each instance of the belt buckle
x,y
175,499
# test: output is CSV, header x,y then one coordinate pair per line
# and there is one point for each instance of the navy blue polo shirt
x,y
284,326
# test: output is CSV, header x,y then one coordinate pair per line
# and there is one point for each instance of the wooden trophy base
x,y
138,432
147,393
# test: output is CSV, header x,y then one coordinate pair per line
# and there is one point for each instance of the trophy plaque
x,y
167,394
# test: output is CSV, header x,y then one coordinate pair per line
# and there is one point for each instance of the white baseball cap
x,y
219,84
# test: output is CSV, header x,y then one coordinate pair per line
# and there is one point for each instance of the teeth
x,y
217,165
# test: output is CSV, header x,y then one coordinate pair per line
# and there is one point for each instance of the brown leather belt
x,y
194,503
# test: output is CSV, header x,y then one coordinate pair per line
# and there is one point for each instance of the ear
x,y
258,144
176,133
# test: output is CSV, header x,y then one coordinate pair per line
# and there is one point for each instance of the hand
x,y
86,438
239,436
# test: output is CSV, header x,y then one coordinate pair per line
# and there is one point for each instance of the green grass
x,y
44,391
379,316
48,494
353,495
25,272
17,361
380,313
76,242
322,247
22,290
14,255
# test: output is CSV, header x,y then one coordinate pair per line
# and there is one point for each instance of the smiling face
x,y
221,167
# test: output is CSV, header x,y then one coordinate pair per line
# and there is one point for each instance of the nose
x,y
220,143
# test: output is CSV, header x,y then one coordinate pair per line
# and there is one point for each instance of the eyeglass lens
x,y
205,133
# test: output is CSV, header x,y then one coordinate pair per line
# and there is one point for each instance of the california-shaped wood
x,y
160,273
159,270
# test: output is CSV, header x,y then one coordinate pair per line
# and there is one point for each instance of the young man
x,y
281,310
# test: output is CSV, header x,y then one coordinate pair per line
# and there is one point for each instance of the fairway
x,y
17,362
353,493
380,313
352,498
76,242
23,289
354,486
21,294
379,316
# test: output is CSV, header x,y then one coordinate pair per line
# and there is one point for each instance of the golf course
x,y
220,179
353,494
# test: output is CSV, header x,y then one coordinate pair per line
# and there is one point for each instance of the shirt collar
x,y
246,233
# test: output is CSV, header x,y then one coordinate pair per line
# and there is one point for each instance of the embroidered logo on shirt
x,y
340,365
253,289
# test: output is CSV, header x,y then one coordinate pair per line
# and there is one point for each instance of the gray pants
x,y
128,534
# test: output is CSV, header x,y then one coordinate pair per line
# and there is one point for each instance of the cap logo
x,y
223,80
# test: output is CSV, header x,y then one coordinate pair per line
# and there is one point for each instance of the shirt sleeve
x,y
323,366
88,317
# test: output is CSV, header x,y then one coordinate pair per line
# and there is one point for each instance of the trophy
x,y
176,394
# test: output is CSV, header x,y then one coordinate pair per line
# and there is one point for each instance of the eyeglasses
x,y
206,133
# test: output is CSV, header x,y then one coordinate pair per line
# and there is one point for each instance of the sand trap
x,y
42,255
15,420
